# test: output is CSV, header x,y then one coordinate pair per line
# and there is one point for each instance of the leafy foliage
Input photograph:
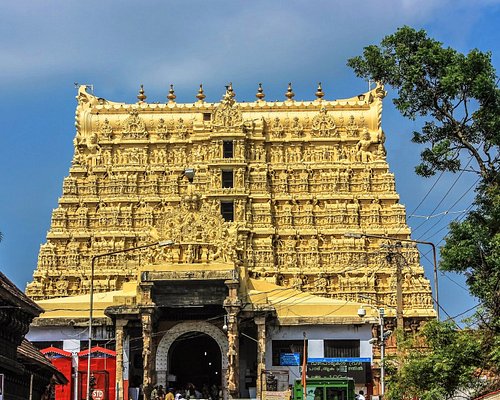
x,y
473,248
457,93
437,363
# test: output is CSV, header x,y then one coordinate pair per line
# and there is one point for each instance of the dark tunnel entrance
x,y
195,358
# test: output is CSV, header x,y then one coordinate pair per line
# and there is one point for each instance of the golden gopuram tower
x,y
256,198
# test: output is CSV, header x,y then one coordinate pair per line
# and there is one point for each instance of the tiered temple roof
x,y
276,187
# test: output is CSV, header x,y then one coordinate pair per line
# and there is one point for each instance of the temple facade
x,y
235,229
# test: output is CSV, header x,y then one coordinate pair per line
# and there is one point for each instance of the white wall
x,y
56,333
61,333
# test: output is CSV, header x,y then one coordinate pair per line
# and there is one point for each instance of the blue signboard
x,y
289,359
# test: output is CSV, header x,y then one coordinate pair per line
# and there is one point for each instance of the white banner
x,y
126,351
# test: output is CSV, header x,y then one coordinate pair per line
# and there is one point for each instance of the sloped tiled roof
x,y
29,355
54,350
11,294
97,349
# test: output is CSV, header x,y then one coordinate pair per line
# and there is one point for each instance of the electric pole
x,y
397,256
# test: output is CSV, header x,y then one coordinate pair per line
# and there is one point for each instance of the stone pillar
x,y
147,333
233,367
232,304
261,354
119,325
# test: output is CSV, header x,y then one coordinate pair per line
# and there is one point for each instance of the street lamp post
x,y
382,351
382,338
92,269
436,284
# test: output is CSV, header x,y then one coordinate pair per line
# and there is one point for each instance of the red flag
x,y
304,368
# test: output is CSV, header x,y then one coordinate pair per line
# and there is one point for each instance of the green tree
x,y
457,94
473,247
457,97
438,363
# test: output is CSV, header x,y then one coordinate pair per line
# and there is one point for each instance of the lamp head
x,y
224,327
189,173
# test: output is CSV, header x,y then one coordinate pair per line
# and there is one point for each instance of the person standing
x,y
170,394
154,393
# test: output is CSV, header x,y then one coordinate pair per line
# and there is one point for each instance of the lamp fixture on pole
x,y
91,310
381,339
189,173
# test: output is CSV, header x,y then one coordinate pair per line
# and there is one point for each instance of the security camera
x,y
373,340
361,312
387,334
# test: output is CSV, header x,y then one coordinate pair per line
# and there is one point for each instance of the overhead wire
x,y
463,313
459,218
467,191
445,195
438,214
427,194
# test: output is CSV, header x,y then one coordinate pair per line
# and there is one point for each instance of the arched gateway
x,y
168,339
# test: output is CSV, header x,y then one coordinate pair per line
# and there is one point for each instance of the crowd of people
x,y
189,393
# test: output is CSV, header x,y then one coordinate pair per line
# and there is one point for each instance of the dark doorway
x,y
195,358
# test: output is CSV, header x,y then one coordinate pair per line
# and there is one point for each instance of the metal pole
x,y
89,357
382,352
436,283
92,269
399,287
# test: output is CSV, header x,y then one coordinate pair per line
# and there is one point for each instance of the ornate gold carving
x,y
106,130
227,116
199,231
277,129
323,124
182,129
351,127
296,128
364,152
162,130
134,127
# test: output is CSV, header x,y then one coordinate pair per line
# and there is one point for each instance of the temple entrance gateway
x,y
181,352
195,358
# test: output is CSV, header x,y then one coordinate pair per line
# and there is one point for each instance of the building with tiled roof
x,y
24,371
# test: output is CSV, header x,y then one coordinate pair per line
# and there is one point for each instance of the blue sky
x,y
116,45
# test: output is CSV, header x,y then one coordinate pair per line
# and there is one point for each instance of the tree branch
x,y
458,132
